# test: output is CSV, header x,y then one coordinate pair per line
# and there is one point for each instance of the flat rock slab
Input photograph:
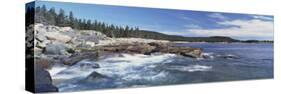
x,y
148,48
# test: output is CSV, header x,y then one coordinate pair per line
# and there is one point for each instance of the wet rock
x,y
43,80
230,56
141,48
95,65
186,51
96,77
75,58
129,48
88,64
208,55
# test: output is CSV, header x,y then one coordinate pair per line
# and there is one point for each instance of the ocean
x,y
221,62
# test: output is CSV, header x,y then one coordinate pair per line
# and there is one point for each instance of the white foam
x,y
75,71
191,68
209,55
56,69
124,67
131,67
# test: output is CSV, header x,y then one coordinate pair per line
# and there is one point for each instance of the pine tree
x,y
71,19
126,32
84,24
76,24
52,16
88,24
61,18
44,10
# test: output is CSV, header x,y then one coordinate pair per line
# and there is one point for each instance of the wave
x,y
190,68
56,69
123,66
80,70
212,56
129,67
124,69
209,55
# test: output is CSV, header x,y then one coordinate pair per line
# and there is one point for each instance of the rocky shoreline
x,y
61,44
66,46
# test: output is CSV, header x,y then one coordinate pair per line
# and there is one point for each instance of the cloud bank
x,y
241,29
218,16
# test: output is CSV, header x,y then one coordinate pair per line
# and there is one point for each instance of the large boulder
x,y
37,50
41,36
43,80
186,51
42,44
40,28
57,48
58,37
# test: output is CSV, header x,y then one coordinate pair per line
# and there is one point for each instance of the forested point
x,y
63,19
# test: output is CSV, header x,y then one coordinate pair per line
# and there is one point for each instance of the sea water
x,y
221,62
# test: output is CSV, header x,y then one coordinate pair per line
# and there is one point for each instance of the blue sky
x,y
175,22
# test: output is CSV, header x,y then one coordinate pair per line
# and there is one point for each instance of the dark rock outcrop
x,y
140,48
229,56
43,80
186,51
96,77
75,58
148,48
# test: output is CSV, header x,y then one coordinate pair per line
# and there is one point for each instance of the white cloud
x,y
262,17
243,28
218,16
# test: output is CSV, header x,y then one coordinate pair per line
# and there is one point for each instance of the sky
x,y
175,22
